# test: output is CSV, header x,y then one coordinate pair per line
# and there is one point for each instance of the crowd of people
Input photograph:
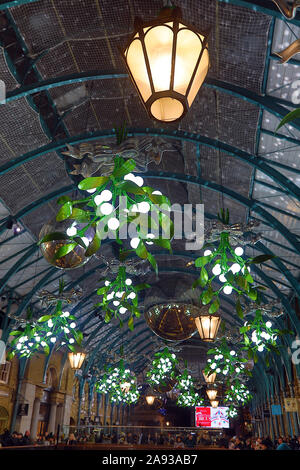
x,y
153,439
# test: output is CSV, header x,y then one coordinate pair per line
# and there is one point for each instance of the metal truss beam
x,y
268,103
259,163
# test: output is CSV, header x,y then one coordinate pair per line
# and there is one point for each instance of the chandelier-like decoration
x,y
237,393
238,233
172,321
50,298
272,309
167,61
226,361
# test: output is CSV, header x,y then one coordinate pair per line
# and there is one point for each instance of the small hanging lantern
x,y
150,399
214,403
208,326
168,62
209,379
76,358
212,393
125,387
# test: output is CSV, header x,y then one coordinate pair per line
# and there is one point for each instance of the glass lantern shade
x,y
150,399
214,403
76,359
125,387
212,394
209,379
168,62
208,326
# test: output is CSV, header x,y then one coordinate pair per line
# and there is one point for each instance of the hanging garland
x,y
119,297
120,383
226,264
163,367
237,393
55,330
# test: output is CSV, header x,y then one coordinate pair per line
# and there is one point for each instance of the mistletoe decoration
x,y
113,202
163,368
120,383
226,361
237,393
187,395
54,330
227,264
259,336
119,297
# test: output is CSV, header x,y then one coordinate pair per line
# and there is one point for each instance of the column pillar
x,y
35,417
52,418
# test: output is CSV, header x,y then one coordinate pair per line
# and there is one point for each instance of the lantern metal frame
x,y
199,322
166,15
78,350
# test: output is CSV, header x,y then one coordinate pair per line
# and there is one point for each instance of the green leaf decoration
x,y
46,350
94,246
252,294
44,318
202,261
130,324
127,167
53,236
80,215
203,277
101,291
163,242
262,258
141,250
64,212
15,333
288,118
140,287
131,187
107,317
214,306
64,250
207,296
93,182
239,309
63,200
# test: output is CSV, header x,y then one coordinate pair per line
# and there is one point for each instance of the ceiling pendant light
x,y
208,326
167,61
214,403
76,358
212,393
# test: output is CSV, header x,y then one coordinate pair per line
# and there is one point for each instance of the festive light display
x,y
120,383
163,368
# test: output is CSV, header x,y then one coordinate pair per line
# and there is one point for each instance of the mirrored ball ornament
x,y
76,257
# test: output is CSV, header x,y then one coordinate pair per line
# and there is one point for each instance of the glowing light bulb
x,y
85,240
128,282
116,303
227,290
157,193
239,251
107,283
222,278
129,177
106,195
235,268
132,295
71,231
122,310
134,242
139,181
91,191
207,253
144,207
268,324
113,223
106,208
216,270
72,325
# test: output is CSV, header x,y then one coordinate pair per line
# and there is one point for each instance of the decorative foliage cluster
x,y
54,330
237,394
226,264
163,367
259,336
119,297
226,361
187,395
120,384
116,200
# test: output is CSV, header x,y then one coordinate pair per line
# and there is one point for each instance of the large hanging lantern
x,y
209,379
208,326
168,62
76,358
